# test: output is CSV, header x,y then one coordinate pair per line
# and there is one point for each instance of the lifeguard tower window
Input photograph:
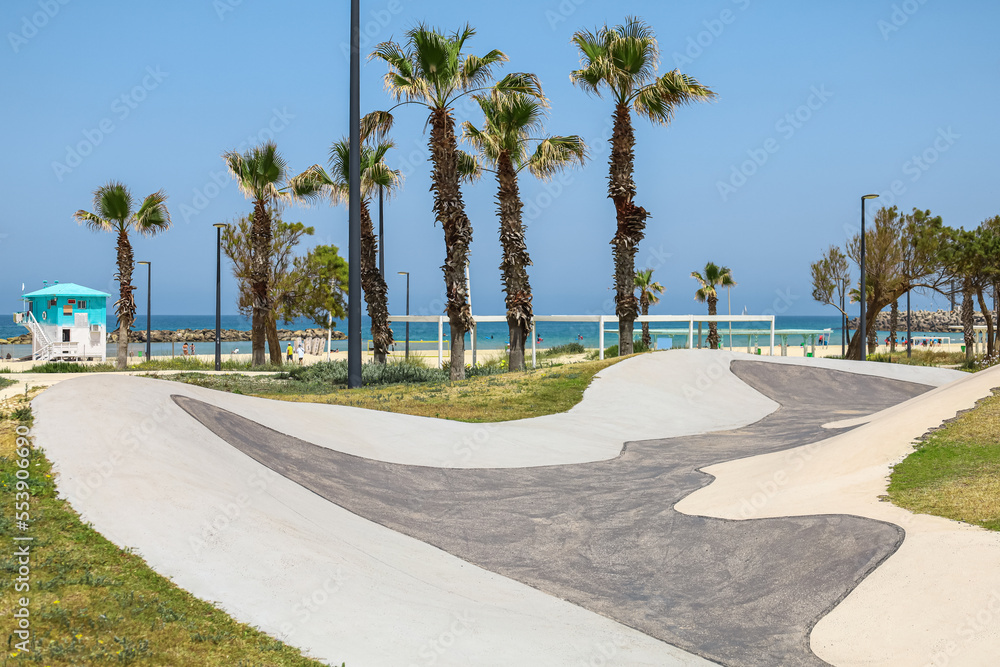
x,y
67,309
81,304
65,335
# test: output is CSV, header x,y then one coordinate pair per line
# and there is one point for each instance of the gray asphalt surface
x,y
605,535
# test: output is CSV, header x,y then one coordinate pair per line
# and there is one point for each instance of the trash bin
x,y
809,354
758,350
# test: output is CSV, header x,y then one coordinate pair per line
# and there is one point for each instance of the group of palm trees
x,y
433,70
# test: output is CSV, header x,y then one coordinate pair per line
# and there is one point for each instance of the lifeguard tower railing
x,y
601,321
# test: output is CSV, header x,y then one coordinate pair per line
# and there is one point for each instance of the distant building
x,y
66,321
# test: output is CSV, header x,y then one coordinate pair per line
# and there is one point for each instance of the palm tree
x,y
624,59
648,291
375,174
431,70
505,143
113,206
260,174
713,277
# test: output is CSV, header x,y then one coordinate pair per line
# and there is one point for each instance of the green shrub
x,y
4,382
558,351
70,367
637,348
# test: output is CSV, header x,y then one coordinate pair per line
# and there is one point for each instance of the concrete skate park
x,y
697,507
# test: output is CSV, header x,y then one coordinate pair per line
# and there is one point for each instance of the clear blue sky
x,y
153,93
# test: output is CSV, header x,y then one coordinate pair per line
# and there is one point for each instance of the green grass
x,y
486,396
92,603
955,471
4,382
920,357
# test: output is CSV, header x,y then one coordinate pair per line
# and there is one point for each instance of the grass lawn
x,y
955,471
489,398
91,603
4,382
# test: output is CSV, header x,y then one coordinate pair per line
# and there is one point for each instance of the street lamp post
x,y
407,274
218,294
381,235
354,204
843,326
863,330
149,300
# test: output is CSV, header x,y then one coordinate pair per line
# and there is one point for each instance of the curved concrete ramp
x,y
459,566
604,535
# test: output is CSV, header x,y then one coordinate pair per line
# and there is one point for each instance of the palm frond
x,y
469,169
658,100
113,201
556,154
94,223
376,125
152,216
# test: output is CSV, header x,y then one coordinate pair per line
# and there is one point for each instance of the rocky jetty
x,y
196,336
938,321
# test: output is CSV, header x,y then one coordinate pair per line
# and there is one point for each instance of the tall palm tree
x,y
375,174
114,212
648,291
623,60
505,144
431,70
713,278
260,173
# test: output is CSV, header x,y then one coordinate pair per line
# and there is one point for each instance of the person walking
x,y
288,353
185,349
302,354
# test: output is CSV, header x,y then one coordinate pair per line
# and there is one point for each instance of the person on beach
x,y
192,350
302,354
288,353
185,349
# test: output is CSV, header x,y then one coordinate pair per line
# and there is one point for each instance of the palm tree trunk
x,y
125,307
375,288
260,272
893,325
968,319
988,316
515,262
631,225
713,327
647,340
449,210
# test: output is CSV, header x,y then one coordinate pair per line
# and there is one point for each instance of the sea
x,y
490,335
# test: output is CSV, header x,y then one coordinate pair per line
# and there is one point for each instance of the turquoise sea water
x,y
423,336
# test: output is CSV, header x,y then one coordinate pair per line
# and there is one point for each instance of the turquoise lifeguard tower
x,y
66,321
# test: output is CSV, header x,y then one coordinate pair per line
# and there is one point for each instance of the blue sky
x,y
818,104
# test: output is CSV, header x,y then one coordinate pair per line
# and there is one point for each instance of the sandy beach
x,y
430,357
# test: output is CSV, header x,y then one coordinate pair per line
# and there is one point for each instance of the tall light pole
x,y
149,301
218,294
354,201
863,331
381,235
407,274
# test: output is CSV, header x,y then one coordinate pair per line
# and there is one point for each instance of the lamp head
x,y
870,197
144,263
403,273
220,225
